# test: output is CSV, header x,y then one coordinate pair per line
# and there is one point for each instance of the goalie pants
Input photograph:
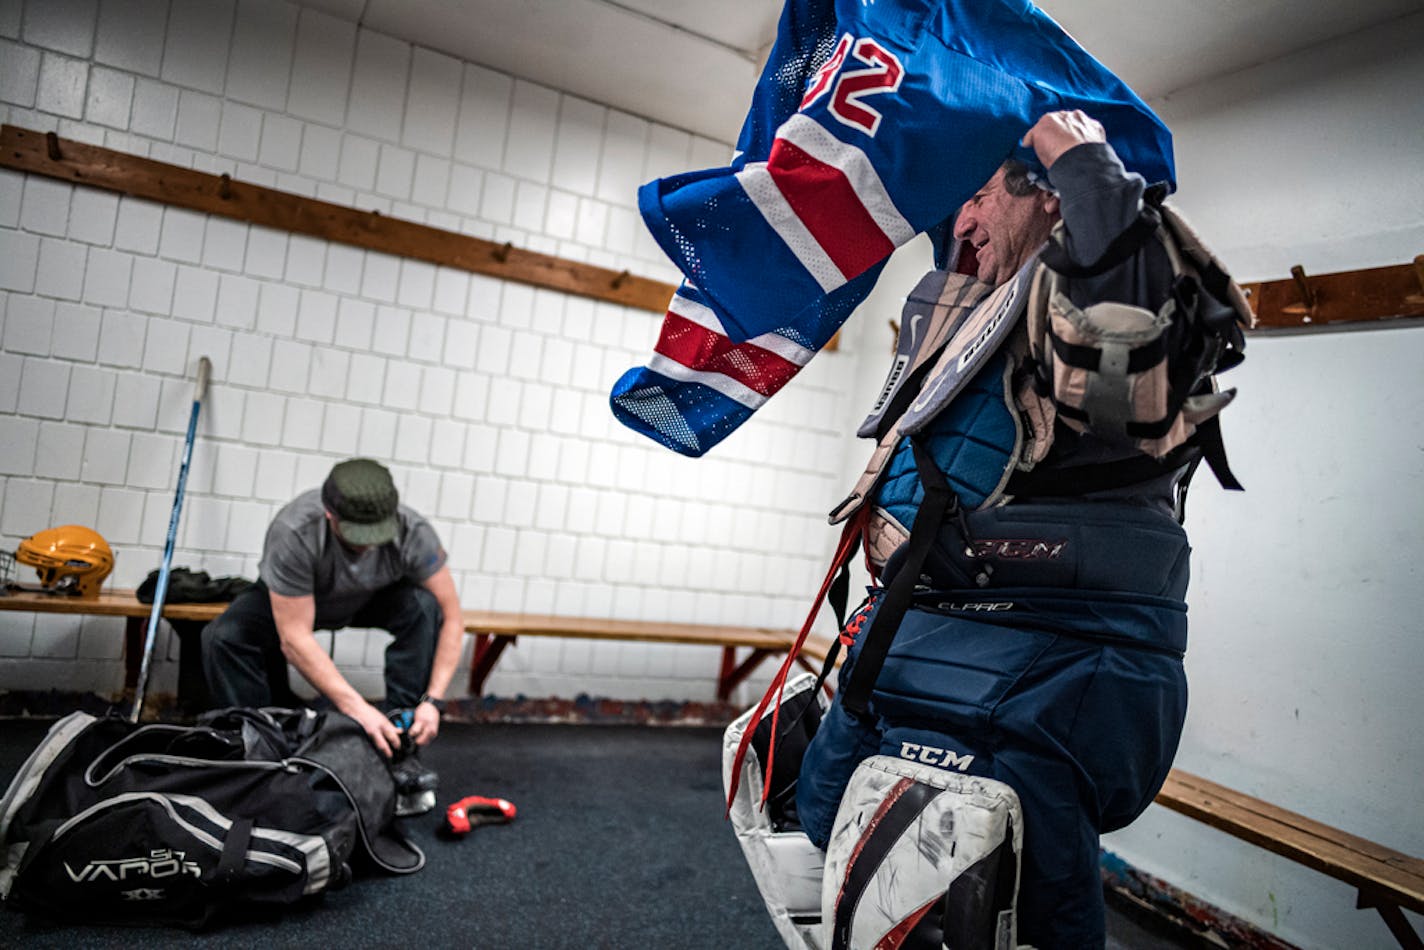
x,y
244,665
1075,699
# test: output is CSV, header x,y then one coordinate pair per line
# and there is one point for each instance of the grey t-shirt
x,y
302,556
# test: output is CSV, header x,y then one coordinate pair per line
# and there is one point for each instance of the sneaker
x,y
415,784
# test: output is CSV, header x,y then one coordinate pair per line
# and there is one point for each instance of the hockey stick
x,y
205,370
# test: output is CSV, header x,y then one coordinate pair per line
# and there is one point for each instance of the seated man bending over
x,y
345,555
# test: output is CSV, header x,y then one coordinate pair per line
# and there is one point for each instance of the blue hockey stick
x,y
205,370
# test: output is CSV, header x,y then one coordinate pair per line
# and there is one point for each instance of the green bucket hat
x,y
360,493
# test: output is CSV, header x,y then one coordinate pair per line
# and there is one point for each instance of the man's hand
x,y
383,733
1057,132
427,724
295,617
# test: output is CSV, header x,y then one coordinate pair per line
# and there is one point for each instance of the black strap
x,y
1122,247
1152,430
839,593
909,388
1073,480
838,596
938,502
1135,430
874,847
1208,435
234,852
1183,483
1090,358
828,664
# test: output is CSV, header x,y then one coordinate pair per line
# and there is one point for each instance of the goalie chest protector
x,y
985,376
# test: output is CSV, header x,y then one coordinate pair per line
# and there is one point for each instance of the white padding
x,y
786,865
960,826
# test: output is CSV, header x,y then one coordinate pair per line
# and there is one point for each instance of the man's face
x,y
1005,230
336,530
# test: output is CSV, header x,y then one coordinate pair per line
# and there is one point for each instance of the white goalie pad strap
x,y
904,834
786,865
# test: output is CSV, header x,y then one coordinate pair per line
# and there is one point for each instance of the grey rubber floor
x,y
619,843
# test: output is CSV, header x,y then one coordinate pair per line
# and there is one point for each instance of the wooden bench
x,y
187,621
494,632
1386,880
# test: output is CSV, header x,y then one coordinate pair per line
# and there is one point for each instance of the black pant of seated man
x,y
244,665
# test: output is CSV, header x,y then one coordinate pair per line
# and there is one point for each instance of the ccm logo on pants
x,y
931,755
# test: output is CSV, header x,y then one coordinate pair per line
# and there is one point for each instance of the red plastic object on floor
x,y
476,810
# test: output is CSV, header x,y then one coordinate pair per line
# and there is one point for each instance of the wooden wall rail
x,y
81,164
1299,301
1302,300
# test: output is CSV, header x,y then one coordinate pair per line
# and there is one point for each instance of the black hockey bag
x,y
111,822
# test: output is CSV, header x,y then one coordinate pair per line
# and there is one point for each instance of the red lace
x,y
849,538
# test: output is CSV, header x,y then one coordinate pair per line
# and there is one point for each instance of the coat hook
x,y
1418,276
621,279
225,186
1309,298
52,145
502,254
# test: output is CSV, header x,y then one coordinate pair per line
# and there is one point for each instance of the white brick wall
x,y
488,400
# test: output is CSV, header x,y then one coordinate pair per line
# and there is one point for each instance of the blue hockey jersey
x,y
873,121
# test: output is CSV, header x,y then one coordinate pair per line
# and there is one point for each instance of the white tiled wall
x,y
488,399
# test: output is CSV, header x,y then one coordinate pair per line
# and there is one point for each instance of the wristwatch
x,y
439,704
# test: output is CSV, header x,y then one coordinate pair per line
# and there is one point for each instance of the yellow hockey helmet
x,y
68,557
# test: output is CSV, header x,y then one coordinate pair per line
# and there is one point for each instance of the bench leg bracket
x,y
488,648
733,673
1393,919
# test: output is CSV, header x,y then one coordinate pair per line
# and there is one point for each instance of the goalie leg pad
x,y
786,865
922,857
